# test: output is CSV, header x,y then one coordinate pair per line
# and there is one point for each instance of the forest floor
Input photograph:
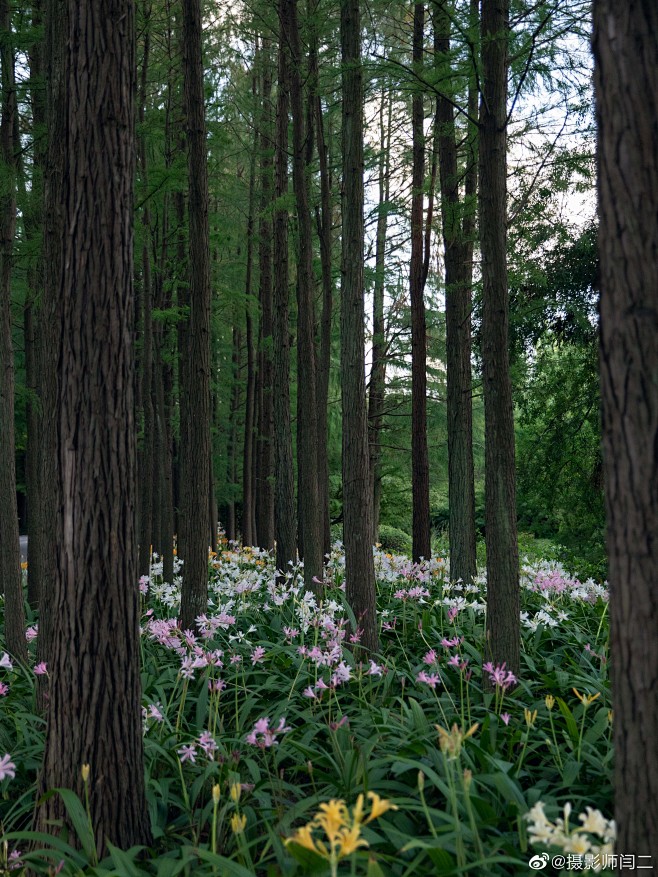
x,y
272,748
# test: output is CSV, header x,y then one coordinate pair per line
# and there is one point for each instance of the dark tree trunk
x,y
196,455
307,423
231,468
458,255
377,383
357,495
36,527
285,524
10,561
626,78
94,708
146,468
250,400
420,471
324,224
265,491
503,624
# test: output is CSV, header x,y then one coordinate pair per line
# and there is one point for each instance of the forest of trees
x,y
288,273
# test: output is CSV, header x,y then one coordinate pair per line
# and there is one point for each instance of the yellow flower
x,y
351,840
235,792
550,701
85,773
378,807
24,564
238,823
216,793
303,837
586,699
331,819
530,717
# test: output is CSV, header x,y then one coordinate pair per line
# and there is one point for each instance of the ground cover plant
x,y
275,745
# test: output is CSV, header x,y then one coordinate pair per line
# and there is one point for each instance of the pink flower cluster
x,y
265,737
500,677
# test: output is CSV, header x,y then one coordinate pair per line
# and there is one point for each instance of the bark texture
x,y
420,469
626,79
285,524
196,452
94,708
10,561
503,624
458,255
357,495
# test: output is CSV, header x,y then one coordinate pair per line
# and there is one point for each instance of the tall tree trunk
x,y
307,424
461,480
420,472
35,489
265,491
377,383
250,400
357,496
94,705
231,467
503,624
196,455
10,561
285,524
324,224
626,78
146,467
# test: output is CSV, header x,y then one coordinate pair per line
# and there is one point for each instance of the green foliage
x,y
393,540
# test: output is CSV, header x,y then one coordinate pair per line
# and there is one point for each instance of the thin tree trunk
x,y
324,225
265,492
357,495
10,561
285,524
420,473
146,468
94,705
307,424
461,483
194,596
626,79
32,321
231,473
250,397
377,383
503,624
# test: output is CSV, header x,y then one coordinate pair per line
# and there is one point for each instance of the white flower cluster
x,y
583,840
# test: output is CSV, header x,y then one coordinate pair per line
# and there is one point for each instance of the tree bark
x,y
357,495
626,80
503,624
196,456
285,524
10,561
377,383
420,472
94,708
250,396
461,481
307,432
265,491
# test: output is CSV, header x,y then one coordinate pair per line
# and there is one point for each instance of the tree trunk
x,y
196,455
250,401
307,423
377,383
10,560
461,483
420,472
285,524
94,705
35,489
503,624
357,495
626,79
265,491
